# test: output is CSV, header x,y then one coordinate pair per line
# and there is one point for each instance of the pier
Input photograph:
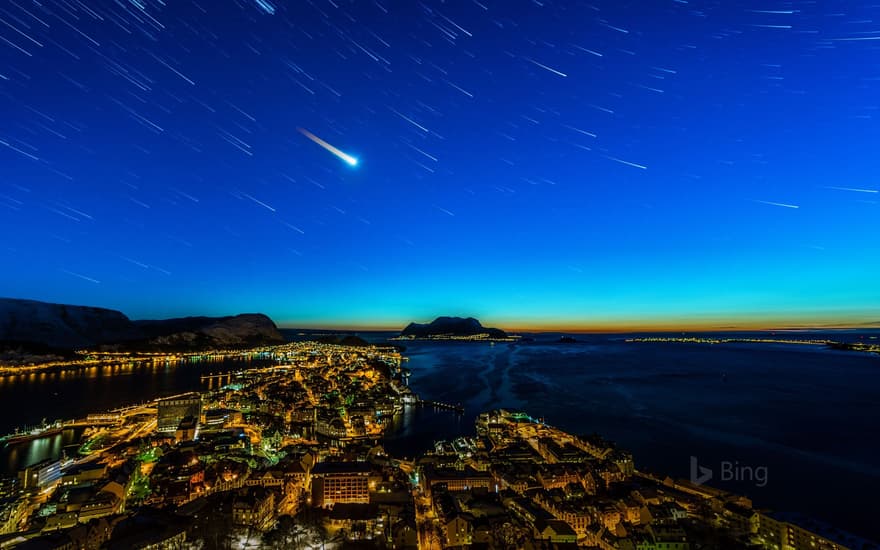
x,y
220,376
457,408
217,379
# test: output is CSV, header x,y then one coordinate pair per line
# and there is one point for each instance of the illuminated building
x,y
340,483
40,475
186,430
254,507
12,511
456,480
174,409
792,532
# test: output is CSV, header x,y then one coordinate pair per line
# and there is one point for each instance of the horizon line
x,y
606,329
816,320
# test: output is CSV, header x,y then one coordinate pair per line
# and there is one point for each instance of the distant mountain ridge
x,y
63,326
243,330
450,326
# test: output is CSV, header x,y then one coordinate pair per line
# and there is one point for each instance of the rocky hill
x,y
245,330
450,326
62,326
39,325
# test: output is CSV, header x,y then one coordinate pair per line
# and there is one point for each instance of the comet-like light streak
x,y
854,189
782,204
345,157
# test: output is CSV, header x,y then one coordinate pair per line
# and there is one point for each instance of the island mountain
x,y
451,326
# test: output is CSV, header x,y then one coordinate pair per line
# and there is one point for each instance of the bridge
x,y
220,377
212,375
458,407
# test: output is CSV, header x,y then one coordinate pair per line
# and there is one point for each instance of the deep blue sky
x,y
150,160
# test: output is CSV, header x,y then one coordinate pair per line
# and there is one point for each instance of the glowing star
x,y
345,157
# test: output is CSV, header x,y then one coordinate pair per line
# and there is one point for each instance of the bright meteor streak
x,y
348,159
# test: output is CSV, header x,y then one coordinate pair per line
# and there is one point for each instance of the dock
x,y
457,408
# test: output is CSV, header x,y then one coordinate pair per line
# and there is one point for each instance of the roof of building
x,y
354,512
84,467
145,529
557,526
331,468
439,474
251,496
187,423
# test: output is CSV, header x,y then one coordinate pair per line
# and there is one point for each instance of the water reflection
x,y
28,399
414,431
15,457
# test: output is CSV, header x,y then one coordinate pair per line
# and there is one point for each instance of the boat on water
x,y
23,437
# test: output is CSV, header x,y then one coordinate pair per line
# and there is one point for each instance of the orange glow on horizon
x,y
700,324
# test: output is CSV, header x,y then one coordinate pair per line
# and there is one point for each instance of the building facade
x,y
174,409
340,483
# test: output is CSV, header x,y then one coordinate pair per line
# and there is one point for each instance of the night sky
x,y
535,164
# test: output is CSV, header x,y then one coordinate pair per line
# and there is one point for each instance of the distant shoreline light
x,y
599,329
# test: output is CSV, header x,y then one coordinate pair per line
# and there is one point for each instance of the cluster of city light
x,y
482,337
710,340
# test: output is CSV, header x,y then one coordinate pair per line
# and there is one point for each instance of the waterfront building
x,y
174,409
781,531
40,475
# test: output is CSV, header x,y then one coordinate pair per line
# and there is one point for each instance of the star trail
x,y
552,163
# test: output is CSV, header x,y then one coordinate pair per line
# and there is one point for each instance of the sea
x,y
791,426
